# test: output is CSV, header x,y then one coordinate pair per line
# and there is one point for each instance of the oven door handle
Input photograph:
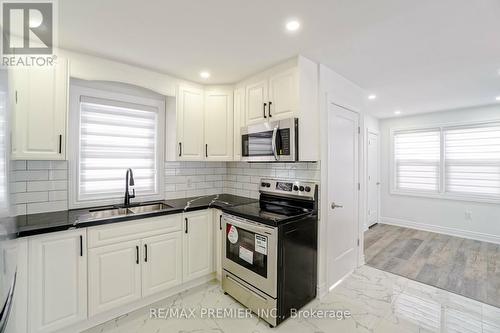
x,y
275,136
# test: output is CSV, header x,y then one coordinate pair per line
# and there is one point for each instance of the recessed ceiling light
x,y
372,96
498,98
397,112
293,25
204,75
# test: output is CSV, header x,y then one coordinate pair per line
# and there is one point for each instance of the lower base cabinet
x,y
69,283
197,244
114,276
162,263
57,280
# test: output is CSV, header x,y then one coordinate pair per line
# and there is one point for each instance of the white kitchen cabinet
x,y
283,95
114,276
218,125
190,124
39,100
288,90
256,102
239,120
57,280
219,236
162,263
197,244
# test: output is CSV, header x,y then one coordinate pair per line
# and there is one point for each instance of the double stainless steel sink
x,y
114,211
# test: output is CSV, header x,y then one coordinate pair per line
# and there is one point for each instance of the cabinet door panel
x,y
58,280
256,96
283,90
114,276
190,124
219,125
197,245
162,263
39,100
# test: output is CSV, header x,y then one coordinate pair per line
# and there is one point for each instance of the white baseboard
x,y
441,230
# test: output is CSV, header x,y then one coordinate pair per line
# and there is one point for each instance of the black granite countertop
x,y
35,224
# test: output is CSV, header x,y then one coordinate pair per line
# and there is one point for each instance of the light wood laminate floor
x,y
466,267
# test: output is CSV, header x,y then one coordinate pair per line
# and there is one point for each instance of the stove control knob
x,y
308,189
263,184
295,188
301,189
268,184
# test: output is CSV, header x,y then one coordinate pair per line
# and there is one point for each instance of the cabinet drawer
x,y
120,232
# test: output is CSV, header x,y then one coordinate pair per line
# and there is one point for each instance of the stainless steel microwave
x,y
274,141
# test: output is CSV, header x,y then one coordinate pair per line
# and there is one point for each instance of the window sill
x,y
443,196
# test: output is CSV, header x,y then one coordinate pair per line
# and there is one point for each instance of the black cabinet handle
x,y
265,110
220,222
60,143
206,150
186,225
81,246
269,108
137,255
145,252
180,149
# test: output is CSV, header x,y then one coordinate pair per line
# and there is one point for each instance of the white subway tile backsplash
x,y
47,185
18,187
39,186
47,165
43,207
19,176
28,197
58,195
58,174
42,186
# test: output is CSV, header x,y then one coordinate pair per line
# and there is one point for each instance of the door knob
x,y
336,206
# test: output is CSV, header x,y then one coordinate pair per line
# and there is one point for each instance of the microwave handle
x,y
275,135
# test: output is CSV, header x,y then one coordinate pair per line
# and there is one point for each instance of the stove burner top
x,y
268,213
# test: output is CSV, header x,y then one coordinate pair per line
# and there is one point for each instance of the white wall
x,y
337,89
439,215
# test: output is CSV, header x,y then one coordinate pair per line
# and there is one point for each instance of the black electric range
x,y
270,249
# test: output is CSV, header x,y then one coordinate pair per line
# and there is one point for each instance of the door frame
x,y
324,285
367,137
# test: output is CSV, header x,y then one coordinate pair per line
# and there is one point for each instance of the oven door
x,y
250,253
271,141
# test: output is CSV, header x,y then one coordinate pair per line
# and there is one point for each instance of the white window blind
x,y
115,136
472,160
417,160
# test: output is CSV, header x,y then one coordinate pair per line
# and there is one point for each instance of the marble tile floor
x,y
377,301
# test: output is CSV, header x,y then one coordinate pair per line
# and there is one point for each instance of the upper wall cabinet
x,y
288,90
39,100
190,124
256,102
219,125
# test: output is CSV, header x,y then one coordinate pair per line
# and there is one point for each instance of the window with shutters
x,y
112,132
450,162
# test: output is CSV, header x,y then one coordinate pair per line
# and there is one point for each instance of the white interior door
x,y
343,192
373,178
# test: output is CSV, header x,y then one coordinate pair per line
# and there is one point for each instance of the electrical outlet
x,y
468,215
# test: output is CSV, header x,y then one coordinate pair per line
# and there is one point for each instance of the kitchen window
x,y
451,162
111,132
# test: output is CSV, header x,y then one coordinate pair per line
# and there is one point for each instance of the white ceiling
x,y
416,56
